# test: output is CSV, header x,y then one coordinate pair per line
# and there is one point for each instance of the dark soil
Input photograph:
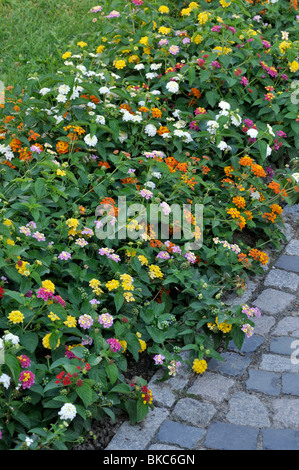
x,y
102,432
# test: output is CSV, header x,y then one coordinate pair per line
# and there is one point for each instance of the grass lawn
x,y
35,33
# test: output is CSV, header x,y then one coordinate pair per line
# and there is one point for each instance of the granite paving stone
x,y
193,412
289,263
288,326
164,392
249,345
183,435
233,364
263,324
211,386
276,363
226,436
280,439
273,301
263,381
247,409
290,384
293,248
283,345
137,437
282,280
286,412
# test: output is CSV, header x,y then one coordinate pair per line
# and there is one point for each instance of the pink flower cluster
x,y
251,312
26,379
24,360
85,321
46,295
109,252
106,320
114,344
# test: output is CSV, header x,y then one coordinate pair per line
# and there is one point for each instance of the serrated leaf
x,y
85,393
112,372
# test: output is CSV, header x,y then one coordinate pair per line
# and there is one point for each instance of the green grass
x,y
35,33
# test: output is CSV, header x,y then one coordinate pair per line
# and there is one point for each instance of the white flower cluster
x,y
7,152
68,411
5,380
128,117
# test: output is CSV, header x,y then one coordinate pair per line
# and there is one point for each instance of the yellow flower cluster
x,y
283,46
113,284
164,30
53,316
70,321
155,272
95,285
119,64
203,17
16,316
72,225
199,366
127,282
143,345
163,9
294,66
129,297
143,260
224,326
48,285
23,269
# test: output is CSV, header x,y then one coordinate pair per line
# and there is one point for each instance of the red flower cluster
x,y
61,378
1,292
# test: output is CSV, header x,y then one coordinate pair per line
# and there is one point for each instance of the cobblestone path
x,y
249,401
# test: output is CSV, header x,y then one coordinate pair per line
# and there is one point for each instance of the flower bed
x,y
178,110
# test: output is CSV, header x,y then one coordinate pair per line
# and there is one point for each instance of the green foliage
x,y
87,151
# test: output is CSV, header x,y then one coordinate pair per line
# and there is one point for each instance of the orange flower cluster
x,y
104,164
239,201
163,130
258,170
277,189
62,147
156,113
189,181
33,135
246,161
271,216
258,255
174,165
109,201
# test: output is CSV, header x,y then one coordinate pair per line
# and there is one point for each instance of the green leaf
x,y
109,413
118,300
22,418
121,388
15,295
263,149
29,340
157,335
142,410
40,188
112,372
85,393
13,365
